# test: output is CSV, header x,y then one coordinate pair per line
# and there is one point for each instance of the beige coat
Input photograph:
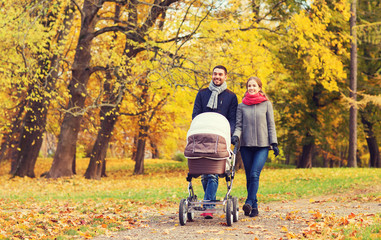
x,y
255,125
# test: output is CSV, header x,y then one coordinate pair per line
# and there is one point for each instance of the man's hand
x,y
235,140
275,149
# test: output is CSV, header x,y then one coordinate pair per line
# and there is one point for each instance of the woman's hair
x,y
259,82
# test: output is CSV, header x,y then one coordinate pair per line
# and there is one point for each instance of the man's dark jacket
x,y
227,105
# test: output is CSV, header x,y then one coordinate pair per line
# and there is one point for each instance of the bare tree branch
x,y
78,7
273,9
157,9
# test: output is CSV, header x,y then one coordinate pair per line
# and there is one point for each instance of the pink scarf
x,y
251,99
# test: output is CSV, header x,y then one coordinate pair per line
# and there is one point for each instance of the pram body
x,y
208,152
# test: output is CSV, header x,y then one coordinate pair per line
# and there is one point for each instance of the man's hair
x,y
221,67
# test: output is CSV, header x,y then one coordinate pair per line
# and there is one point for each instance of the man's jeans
x,y
210,185
254,159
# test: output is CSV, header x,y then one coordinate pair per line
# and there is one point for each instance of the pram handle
x,y
236,148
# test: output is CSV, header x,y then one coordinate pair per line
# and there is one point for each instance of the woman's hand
x,y
235,140
275,149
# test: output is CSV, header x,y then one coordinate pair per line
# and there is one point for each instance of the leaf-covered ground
x,y
349,216
146,206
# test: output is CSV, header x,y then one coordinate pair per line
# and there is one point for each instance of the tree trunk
x,y
305,159
140,148
98,155
12,152
34,123
326,159
96,169
81,71
109,114
353,91
135,143
74,163
371,141
12,138
31,139
331,163
154,149
104,169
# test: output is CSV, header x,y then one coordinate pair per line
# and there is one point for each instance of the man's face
x,y
219,76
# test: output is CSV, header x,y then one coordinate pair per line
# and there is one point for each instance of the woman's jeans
x,y
210,185
254,159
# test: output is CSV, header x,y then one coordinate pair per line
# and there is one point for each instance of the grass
x,y
75,206
165,181
358,230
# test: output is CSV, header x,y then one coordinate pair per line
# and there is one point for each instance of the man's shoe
x,y
247,209
207,215
254,212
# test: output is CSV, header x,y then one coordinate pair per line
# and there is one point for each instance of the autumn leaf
x,y
317,215
284,229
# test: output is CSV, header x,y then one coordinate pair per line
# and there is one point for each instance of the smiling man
x,y
215,98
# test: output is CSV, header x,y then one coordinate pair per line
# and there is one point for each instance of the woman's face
x,y
252,87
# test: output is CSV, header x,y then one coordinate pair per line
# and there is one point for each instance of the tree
x,y
313,54
44,25
108,115
352,162
81,70
42,90
368,32
145,100
142,18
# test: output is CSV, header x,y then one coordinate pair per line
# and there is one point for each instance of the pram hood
x,y
212,123
208,136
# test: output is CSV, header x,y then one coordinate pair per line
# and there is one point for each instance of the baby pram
x,y
208,152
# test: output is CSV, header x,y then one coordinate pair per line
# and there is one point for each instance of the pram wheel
x,y
235,209
190,216
183,212
229,214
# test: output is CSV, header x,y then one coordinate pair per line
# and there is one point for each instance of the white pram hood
x,y
211,123
214,124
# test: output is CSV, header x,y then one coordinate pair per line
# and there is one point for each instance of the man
x,y
215,98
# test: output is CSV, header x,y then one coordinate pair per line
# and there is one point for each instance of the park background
x,y
87,83
118,78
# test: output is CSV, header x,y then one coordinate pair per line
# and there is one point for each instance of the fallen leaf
x,y
284,229
317,215
290,216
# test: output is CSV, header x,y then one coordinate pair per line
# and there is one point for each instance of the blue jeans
x,y
254,159
210,185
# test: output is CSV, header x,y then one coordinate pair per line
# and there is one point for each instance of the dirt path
x,y
276,220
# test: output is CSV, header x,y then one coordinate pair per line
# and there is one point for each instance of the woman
x,y
255,129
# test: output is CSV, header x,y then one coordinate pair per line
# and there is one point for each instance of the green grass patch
x,y
359,230
166,181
